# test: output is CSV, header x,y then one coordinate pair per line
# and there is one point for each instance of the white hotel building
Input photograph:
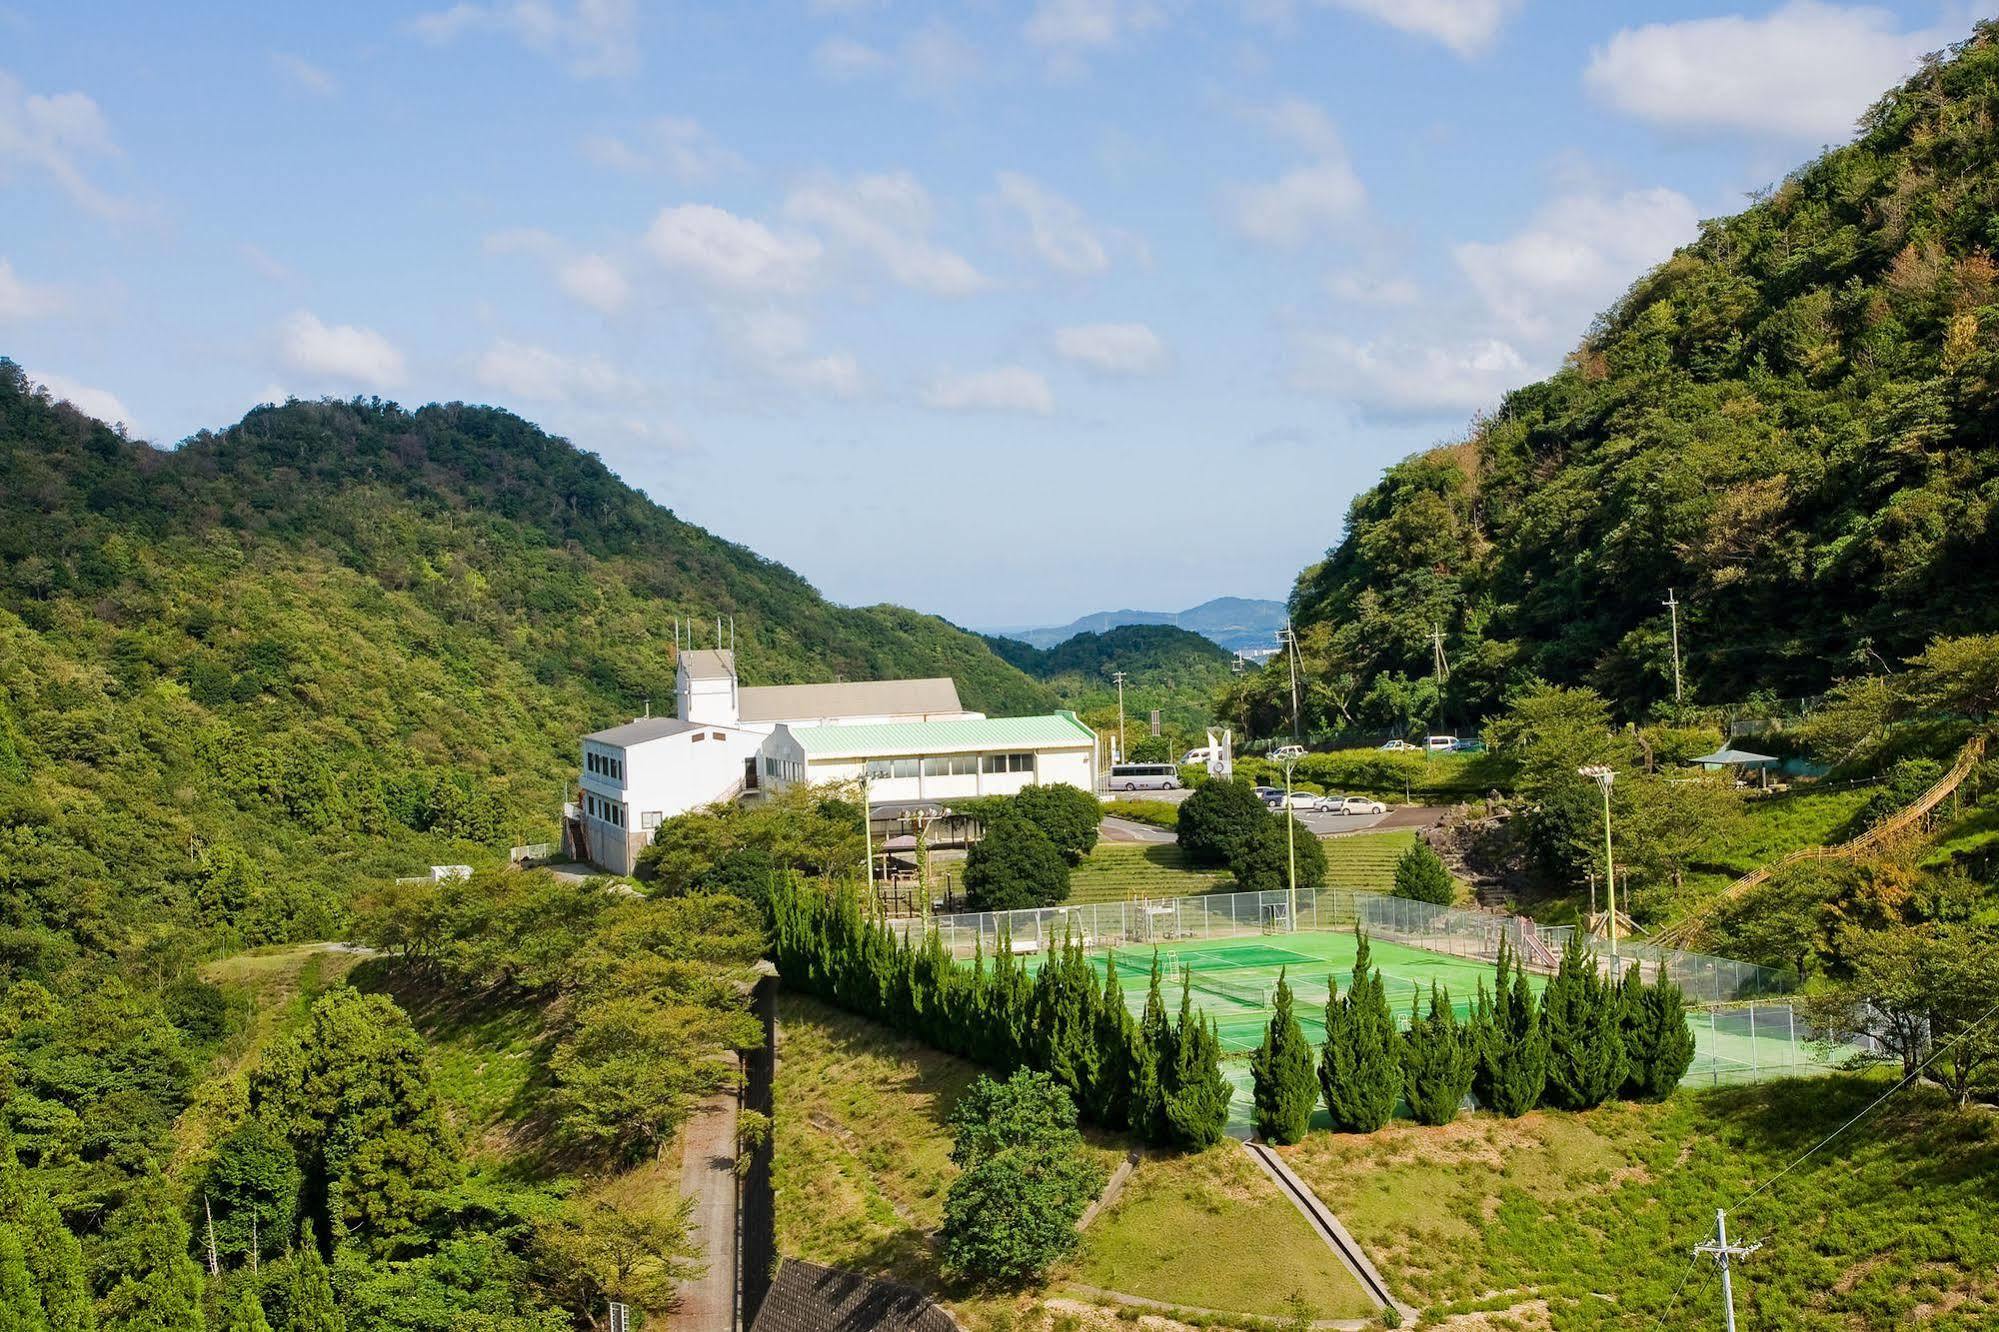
x,y
912,739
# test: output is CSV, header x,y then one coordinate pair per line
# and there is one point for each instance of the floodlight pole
x,y
1603,776
868,833
1122,754
1291,844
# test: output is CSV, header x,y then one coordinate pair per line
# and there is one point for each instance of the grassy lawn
x,y
1366,860
1123,871
1211,1230
1594,1213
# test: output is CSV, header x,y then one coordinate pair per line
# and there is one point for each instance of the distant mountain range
x,y
1240,624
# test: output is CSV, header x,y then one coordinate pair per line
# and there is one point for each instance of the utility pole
x,y
1603,776
1121,751
1672,604
1290,846
1440,664
1721,1250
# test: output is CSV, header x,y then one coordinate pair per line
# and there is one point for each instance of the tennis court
x,y
1231,981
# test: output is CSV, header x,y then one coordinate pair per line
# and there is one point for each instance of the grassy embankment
x,y
863,1165
1122,871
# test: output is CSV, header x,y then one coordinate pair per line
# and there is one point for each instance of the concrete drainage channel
x,y
1329,1229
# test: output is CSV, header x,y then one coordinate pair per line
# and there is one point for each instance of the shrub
x,y
1360,1070
1069,816
1437,1061
1512,1045
1421,874
1026,1179
1192,1091
1658,1047
1584,1018
1216,820
1262,862
1015,865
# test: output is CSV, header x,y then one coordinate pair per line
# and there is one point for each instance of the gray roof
x,y
861,698
709,663
806,1297
642,730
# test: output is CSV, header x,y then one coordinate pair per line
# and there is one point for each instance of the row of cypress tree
x,y
1159,1077
1586,1040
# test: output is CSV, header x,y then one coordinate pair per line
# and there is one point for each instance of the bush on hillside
x,y
1216,820
1068,814
1014,866
1262,863
1421,874
1026,1179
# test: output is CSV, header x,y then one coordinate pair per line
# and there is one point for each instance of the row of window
x,y
607,811
950,765
783,770
604,765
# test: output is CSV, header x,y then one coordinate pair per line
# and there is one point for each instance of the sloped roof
x,y
642,730
806,1297
709,663
859,698
944,737
1740,757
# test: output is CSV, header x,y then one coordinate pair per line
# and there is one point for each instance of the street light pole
x,y
1290,846
1123,755
1603,776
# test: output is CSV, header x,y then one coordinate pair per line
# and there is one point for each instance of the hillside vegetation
x,y
1174,670
1787,424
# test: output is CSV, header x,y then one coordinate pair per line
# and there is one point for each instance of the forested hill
x,y
1162,655
345,635
1790,424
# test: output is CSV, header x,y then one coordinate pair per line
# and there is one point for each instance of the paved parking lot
x,y
1325,825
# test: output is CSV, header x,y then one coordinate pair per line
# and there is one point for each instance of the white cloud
x,y
844,60
1112,349
54,134
778,343
96,402
1358,288
1577,256
594,281
676,145
1401,378
938,63
591,38
341,352
1302,124
730,252
1009,388
1465,26
266,264
1804,72
1068,29
21,300
886,217
1060,233
302,73
842,8
1300,204
517,370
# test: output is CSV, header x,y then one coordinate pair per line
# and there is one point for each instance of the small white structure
x,y
911,739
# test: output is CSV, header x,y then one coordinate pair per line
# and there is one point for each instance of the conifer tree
x,y
1659,1048
1360,1069
1284,1085
1437,1061
155,1285
1193,1091
1118,1053
248,1315
311,1307
20,1304
1512,1047
1583,1014
55,1263
1155,1039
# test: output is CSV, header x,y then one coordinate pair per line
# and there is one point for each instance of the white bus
x,y
1145,777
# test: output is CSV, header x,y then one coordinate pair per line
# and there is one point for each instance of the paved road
x,y
1325,825
708,1175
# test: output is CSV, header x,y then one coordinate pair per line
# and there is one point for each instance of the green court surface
x,y
1231,982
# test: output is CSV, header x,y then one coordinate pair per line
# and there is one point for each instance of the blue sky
x,y
1004,311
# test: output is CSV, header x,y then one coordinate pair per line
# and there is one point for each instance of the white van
x,y
1196,758
1145,777
1440,744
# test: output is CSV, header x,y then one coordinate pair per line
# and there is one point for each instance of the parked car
x,y
1283,752
1270,796
1362,805
1195,758
1398,746
1440,744
1469,745
1307,802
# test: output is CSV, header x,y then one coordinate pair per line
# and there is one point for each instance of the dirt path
x,y
708,1176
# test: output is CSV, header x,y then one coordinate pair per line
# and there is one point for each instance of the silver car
x,y
1362,805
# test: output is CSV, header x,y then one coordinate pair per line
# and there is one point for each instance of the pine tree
x,y
1584,1019
1437,1061
248,1315
1360,1069
1117,1054
1193,1091
1513,1048
155,1286
20,1304
312,1307
1282,1070
1659,1048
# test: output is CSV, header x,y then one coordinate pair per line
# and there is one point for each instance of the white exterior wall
x,y
1074,765
710,700
667,776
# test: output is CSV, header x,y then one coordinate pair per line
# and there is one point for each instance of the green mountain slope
x,y
1176,671
1788,424
343,637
